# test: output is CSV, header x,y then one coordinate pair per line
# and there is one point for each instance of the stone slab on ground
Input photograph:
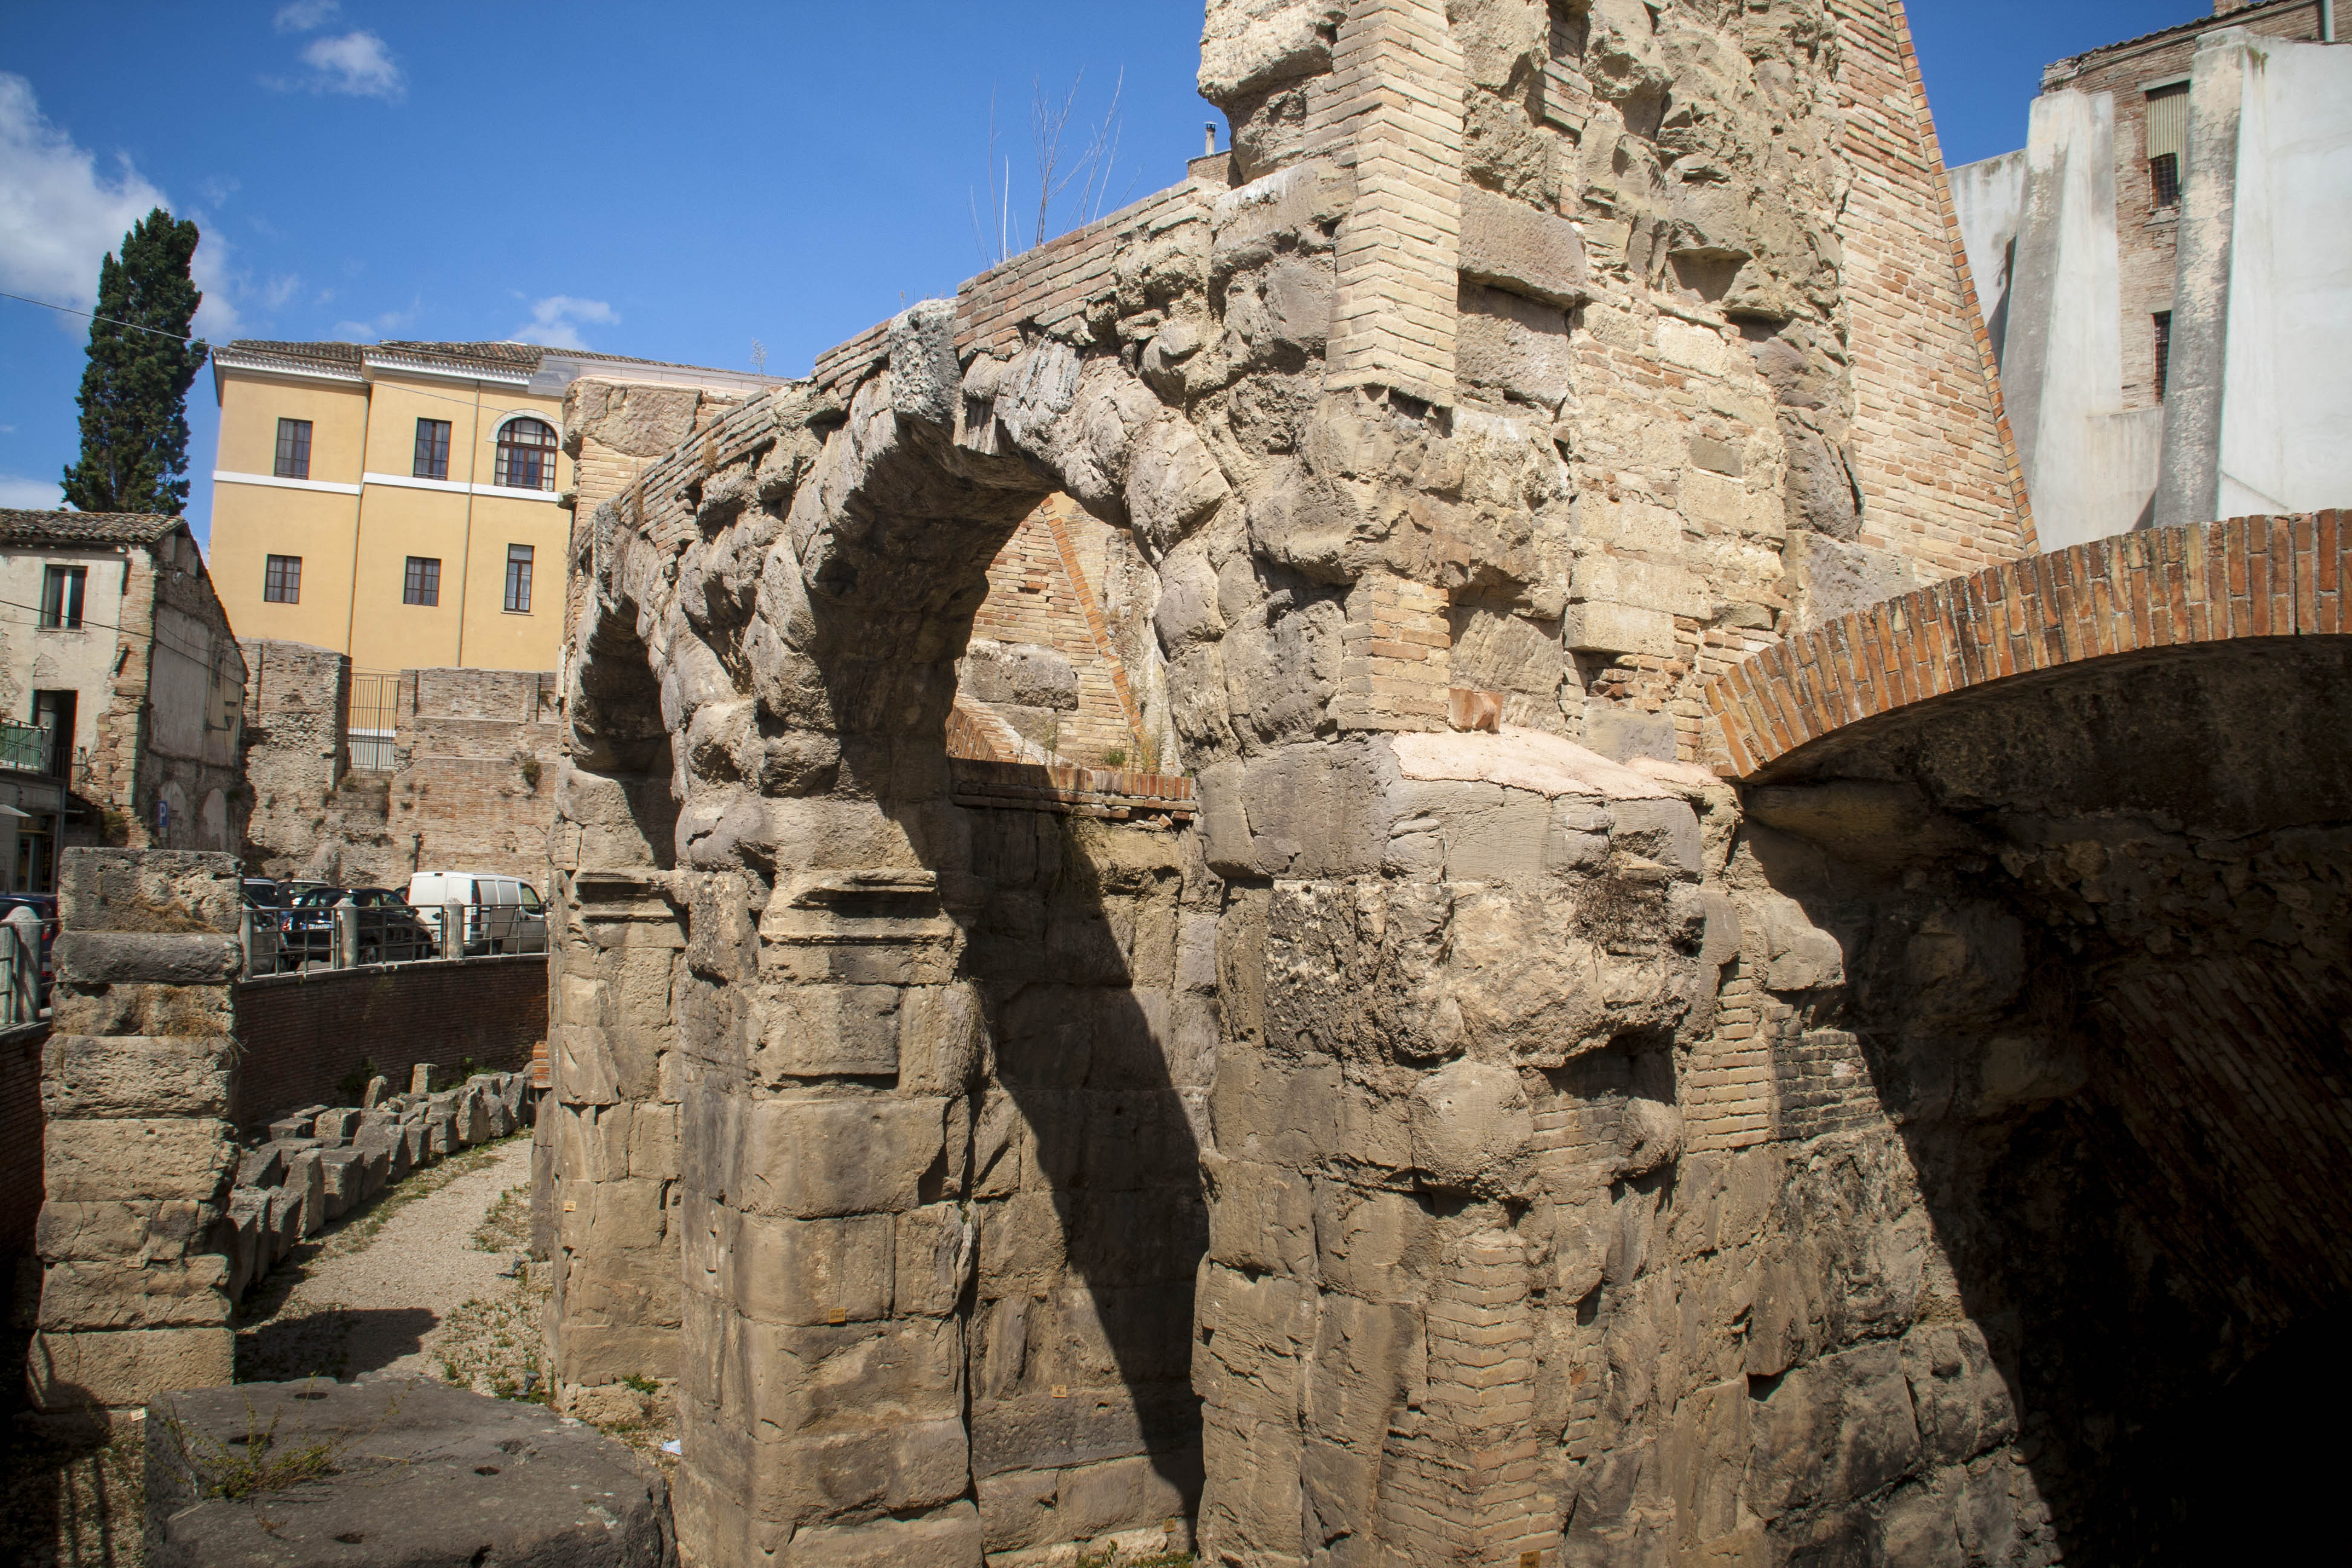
x,y
424,1475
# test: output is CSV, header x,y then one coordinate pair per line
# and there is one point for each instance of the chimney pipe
x,y
1209,145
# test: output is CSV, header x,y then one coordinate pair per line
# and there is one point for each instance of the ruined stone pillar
x,y
606,1161
139,1087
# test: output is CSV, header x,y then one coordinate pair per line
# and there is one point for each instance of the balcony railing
x,y
24,747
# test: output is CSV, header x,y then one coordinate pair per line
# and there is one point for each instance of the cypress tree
x,y
134,391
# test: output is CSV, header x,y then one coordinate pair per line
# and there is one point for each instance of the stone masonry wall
x,y
1502,1256
139,1087
470,790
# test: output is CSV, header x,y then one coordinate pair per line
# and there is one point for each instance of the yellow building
x,y
406,503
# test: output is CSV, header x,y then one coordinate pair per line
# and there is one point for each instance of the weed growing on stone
x,y
256,1462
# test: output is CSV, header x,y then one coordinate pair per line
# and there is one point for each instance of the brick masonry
x,y
2249,576
305,1034
1933,459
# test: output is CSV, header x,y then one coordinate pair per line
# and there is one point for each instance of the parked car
x,y
503,914
389,930
44,905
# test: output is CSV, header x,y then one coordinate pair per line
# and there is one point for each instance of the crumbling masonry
x,y
1483,1133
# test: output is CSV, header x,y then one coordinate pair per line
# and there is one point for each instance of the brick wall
x,y
1042,590
304,1034
20,1141
1393,655
295,704
1933,457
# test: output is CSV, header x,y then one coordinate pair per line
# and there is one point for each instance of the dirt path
x,y
399,1289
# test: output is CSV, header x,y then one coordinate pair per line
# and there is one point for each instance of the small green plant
x,y
257,1462
528,766
1115,758
642,1384
353,1085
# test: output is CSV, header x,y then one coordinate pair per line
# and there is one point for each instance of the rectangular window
x,y
432,450
518,579
293,449
281,580
61,588
2163,320
423,583
2167,143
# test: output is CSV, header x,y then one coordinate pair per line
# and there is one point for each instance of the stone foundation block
x,y
108,1229
84,1294
132,1075
947,1539
77,1369
136,1159
814,1158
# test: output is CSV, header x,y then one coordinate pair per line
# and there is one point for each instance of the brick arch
x,y
2246,577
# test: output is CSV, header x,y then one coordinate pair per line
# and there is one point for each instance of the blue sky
x,y
679,183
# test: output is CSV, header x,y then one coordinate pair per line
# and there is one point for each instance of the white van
x,y
503,914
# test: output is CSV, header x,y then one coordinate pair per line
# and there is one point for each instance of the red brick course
x,y
2246,577
304,1034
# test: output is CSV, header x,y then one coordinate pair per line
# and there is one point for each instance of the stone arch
x,y
859,1013
2131,594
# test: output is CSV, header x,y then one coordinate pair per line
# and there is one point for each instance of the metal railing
x,y
345,936
370,720
24,747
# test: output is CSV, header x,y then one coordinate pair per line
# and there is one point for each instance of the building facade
x,y
123,689
2165,275
404,503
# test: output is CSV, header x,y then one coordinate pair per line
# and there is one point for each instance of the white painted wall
x,y
1989,198
2286,407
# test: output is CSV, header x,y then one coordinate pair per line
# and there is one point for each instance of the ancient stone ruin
x,y
1703,1001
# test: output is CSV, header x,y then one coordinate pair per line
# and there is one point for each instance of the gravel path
x,y
377,1292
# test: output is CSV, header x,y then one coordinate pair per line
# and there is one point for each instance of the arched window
x,y
526,456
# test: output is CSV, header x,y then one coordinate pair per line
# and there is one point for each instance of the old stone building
x,y
2164,275
117,659
1700,999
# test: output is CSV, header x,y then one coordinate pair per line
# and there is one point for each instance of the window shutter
x,y
2167,122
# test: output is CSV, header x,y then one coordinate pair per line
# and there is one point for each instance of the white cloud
x,y
60,214
381,326
554,321
32,495
357,64
279,291
302,16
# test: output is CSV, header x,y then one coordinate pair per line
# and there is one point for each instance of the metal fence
x,y
20,976
344,936
371,722
24,747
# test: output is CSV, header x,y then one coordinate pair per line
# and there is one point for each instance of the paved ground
x,y
383,1292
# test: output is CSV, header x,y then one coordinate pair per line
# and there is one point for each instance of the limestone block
x,y
813,1158
339,1179
1621,733
285,1223
143,1008
812,1270
828,1031
1960,1400
1253,1515
75,1370
902,1468
1021,1243
167,957
1173,484
1518,347
1471,1128
422,1077
89,1294
137,1158
1664,831
1512,246
948,1537
107,1230
1601,627
1834,1430
471,1124
1373,1245
1615,579
333,1129
1025,1508
1801,955
1281,1112
158,1076
935,1245
263,1167
804,1380
148,890
1503,843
